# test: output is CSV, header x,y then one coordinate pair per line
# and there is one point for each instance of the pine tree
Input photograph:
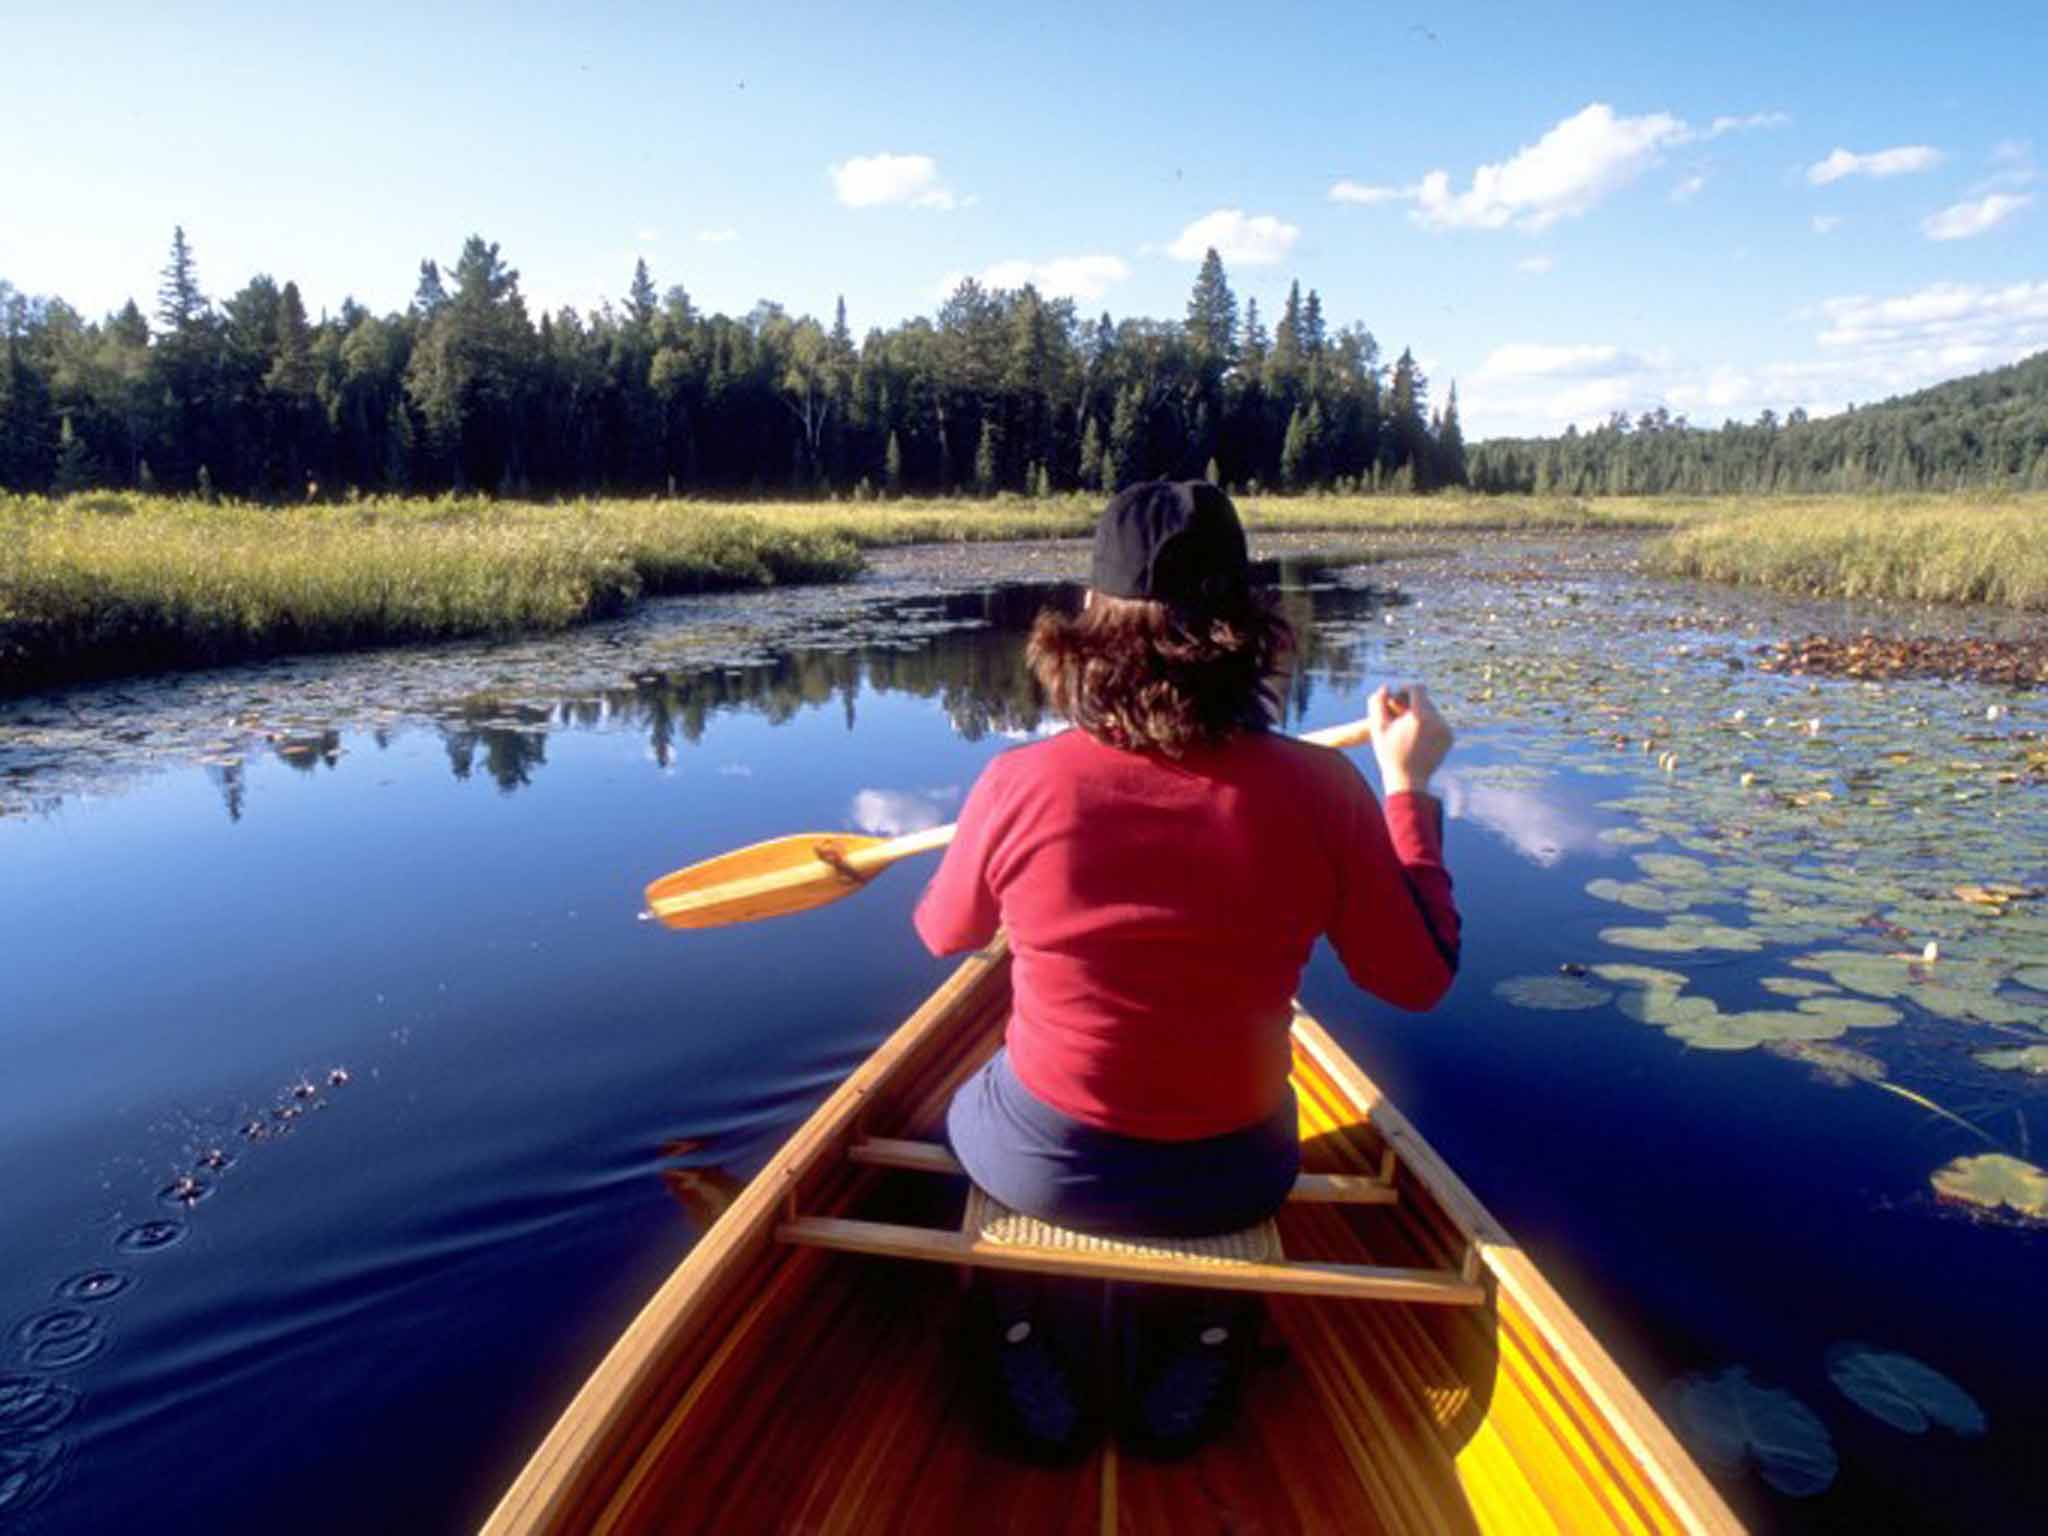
x,y
1256,342
986,455
179,304
1311,335
640,306
1091,454
430,295
1212,313
75,470
1294,451
1450,446
1121,460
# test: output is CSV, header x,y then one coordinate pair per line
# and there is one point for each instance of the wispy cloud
x,y
1939,314
1251,240
1524,359
1721,125
1536,264
1826,223
721,236
1688,189
1348,191
1962,221
1562,175
893,812
1902,161
885,180
648,236
1070,277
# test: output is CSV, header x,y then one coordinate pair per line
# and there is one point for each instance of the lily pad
x,y
1668,941
1639,894
1626,975
1665,1007
2035,976
1675,869
2032,1059
1628,837
1785,1024
1792,986
1906,1393
1561,994
1731,1419
1995,1181
1852,1012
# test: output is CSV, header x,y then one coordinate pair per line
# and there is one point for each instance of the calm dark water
x,y
369,975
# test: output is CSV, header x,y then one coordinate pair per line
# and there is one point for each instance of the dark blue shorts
x,y
1037,1160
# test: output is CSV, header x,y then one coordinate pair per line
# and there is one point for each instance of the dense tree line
x,y
1001,391
1988,430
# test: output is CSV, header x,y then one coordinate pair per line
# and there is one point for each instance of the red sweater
x,y
1160,913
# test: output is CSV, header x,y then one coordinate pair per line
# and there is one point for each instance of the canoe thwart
x,y
1286,1277
1317,1188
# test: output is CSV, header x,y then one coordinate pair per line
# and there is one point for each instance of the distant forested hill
x,y
1987,430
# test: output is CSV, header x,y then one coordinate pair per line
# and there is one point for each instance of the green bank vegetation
x,y
1930,549
103,584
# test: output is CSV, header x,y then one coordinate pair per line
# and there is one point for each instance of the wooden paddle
x,y
813,869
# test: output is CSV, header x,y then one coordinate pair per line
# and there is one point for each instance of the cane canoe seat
x,y
991,1236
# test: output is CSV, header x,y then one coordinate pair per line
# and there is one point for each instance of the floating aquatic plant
x,y
1907,1394
1560,994
1730,1419
1995,1181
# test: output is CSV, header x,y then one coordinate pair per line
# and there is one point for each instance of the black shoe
x,y
1185,1364
1046,1371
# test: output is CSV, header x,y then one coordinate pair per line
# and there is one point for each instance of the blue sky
x,y
1566,209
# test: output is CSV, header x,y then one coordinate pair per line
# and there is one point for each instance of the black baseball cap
x,y
1174,541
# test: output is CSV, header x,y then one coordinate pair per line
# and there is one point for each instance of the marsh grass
x,y
101,585
1990,549
105,584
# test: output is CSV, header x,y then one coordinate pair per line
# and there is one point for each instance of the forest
x,y
1004,391
1987,431
1001,391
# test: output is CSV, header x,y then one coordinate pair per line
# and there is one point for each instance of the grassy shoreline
x,y
107,585
1984,549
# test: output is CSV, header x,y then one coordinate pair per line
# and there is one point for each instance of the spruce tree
x,y
75,470
1212,313
986,454
1450,446
640,306
1090,468
892,465
179,303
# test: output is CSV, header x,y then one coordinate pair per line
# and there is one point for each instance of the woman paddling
x,y
1163,870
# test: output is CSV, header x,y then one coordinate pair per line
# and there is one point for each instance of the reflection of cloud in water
x,y
1542,831
1051,725
893,812
736,771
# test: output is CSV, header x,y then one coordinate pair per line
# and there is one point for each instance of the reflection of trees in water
x,y
965,650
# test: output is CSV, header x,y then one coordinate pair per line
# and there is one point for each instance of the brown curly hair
x,y
1150,677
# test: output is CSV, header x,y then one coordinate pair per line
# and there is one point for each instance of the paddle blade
x,y
782,875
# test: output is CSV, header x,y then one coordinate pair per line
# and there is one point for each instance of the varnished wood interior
x,y
769,1387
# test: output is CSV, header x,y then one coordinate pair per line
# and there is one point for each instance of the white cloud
x,y
1535,263
1960,221
1723,125
1249,241
1688,189
893,812
878,181
1357,192
1826,223
720,236
648,237
1562,175
2015,315
1523,359
1872,348
1904,160
1070,277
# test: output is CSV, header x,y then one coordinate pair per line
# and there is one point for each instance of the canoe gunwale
x,y
587,1468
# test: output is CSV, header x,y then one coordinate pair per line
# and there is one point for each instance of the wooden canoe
x,y
776,1382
